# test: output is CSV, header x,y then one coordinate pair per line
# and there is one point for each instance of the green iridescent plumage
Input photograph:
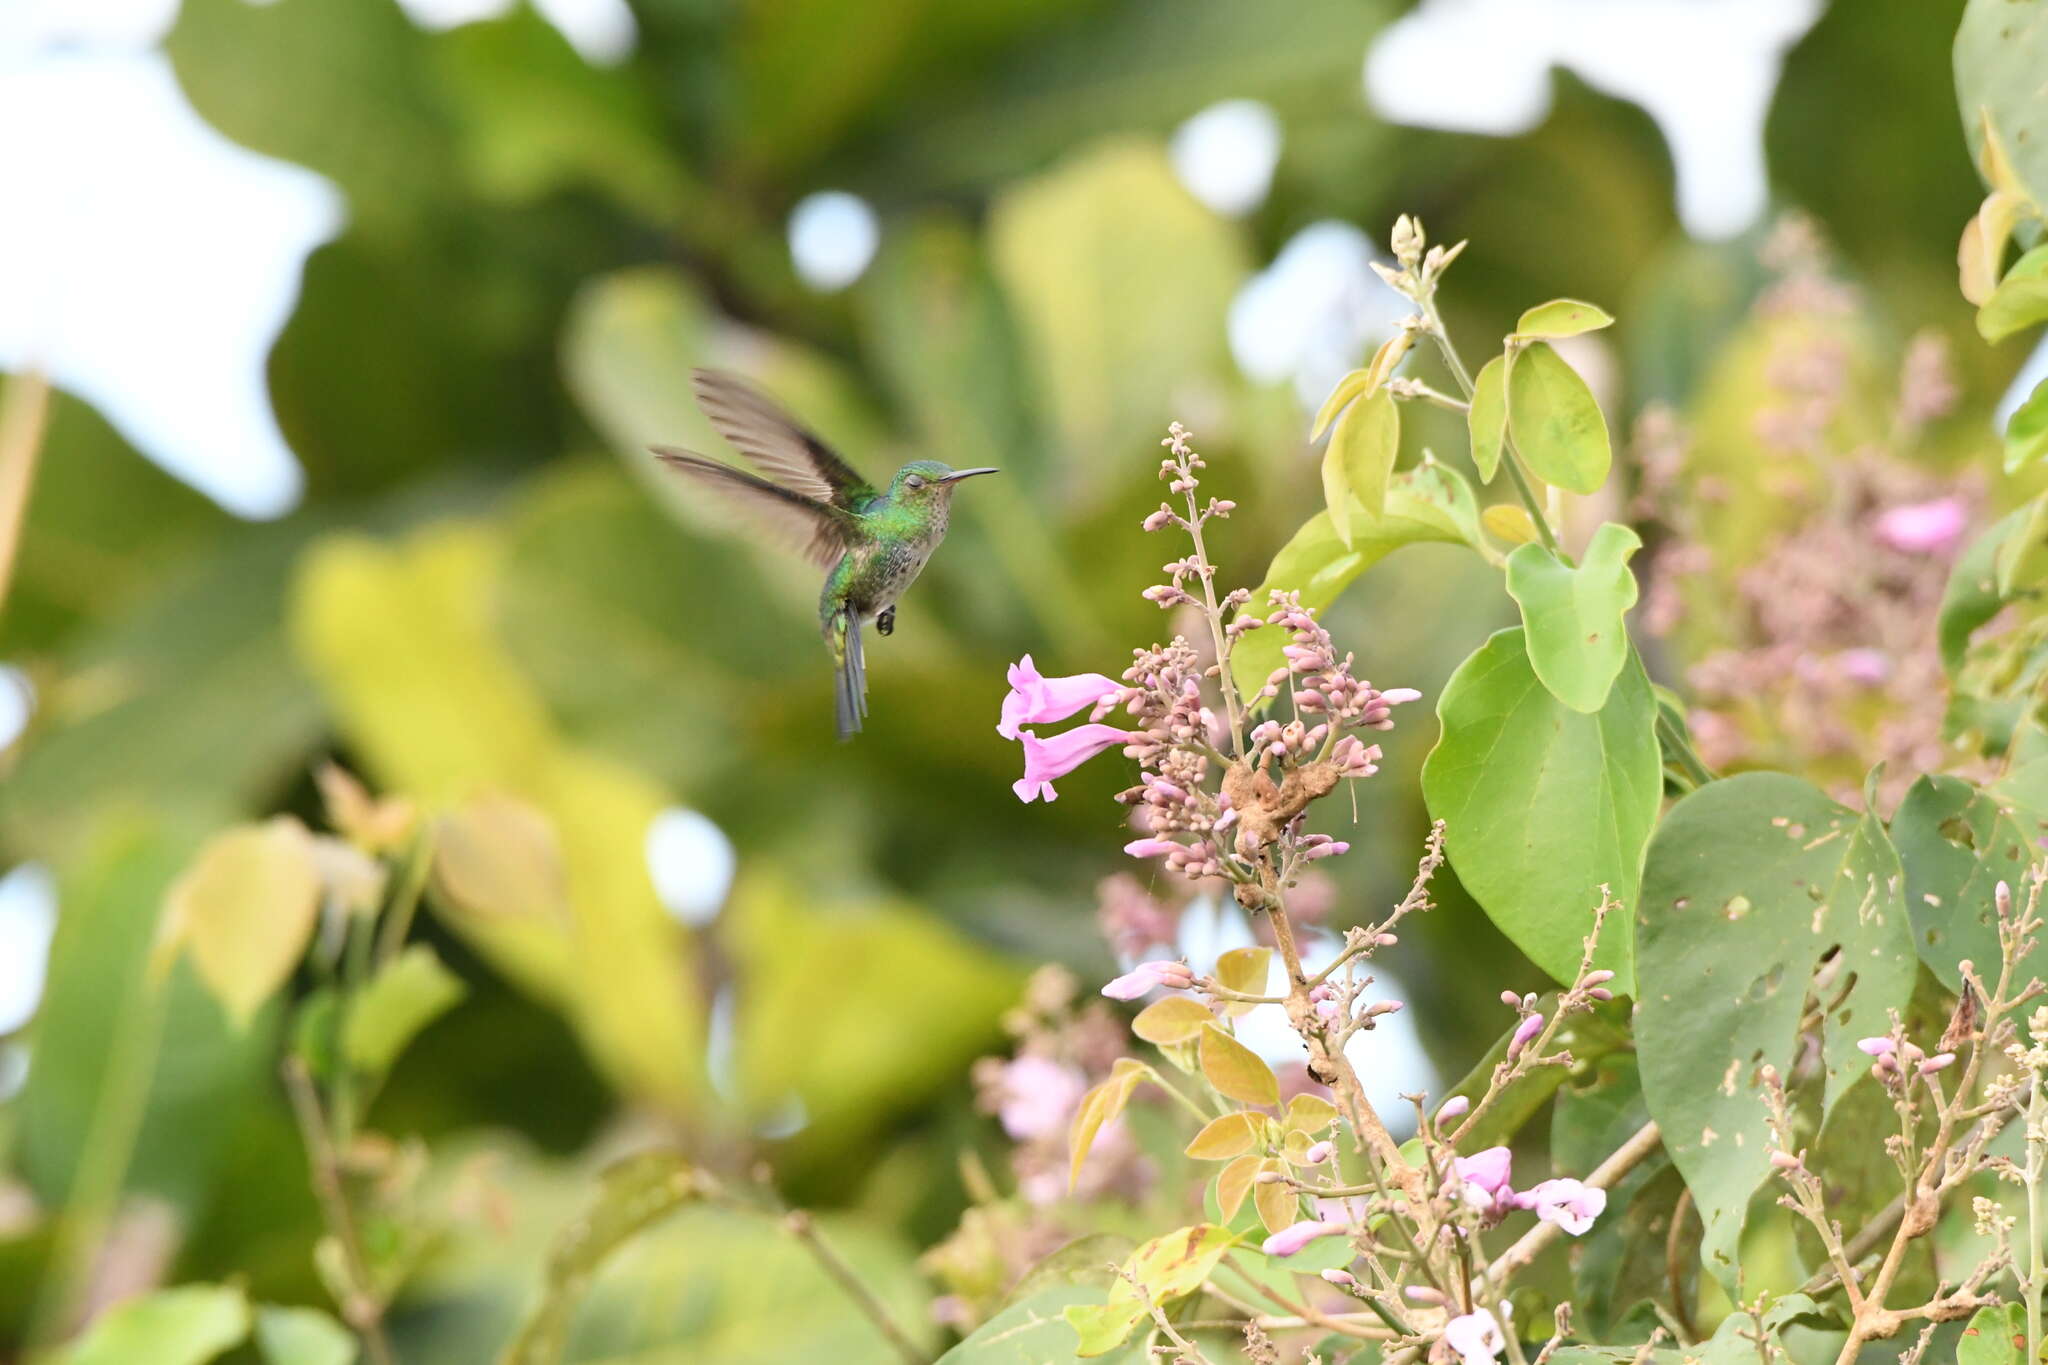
x,y
872,542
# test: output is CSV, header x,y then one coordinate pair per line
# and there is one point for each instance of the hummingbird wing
x,y
817,530
777,443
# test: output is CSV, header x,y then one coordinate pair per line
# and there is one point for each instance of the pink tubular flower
x,y
1046,759
1289,1240
1570,1204
1476,1337
1147,977
1453,1108
1923,528
1489,1170
1035,699
1876,1047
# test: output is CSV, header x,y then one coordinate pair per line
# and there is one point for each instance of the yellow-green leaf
x,y
1243,970
1167,1268
245,909
1981,252
1176,1019
1234,1182
2020,300
496,857
1556,424
1309,1114
1276,1201
1572,615
1562,318
1510,521
1486,421
1387,358
1102,1327
1337,499
1226,1137
185,1326
1348,388
1366,440
1235,1070
2026,436
409,993
1098,1107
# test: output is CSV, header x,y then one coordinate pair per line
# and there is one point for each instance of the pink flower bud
x,y
1877,1047
1453,1108
1319,1153
1150,976
1343,1279
1322,992
2001,896
1289,1240
1422,1293
1785,1161
1600,993
1382,1007
1599,978
1386,940
1510,999
1268,1178
1328,1009
1159,519
1530,1026
1489,1169
1940,1061
1151,848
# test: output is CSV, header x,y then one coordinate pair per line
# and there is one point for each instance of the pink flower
x,y
1289,1240
1876,1047
1046,759
1147,977
1489,1170
1037,700
1568,1203
1476,1337
1038,1097
1923,528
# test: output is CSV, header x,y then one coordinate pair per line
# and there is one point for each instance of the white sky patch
x,y
1226,154
832,237
1308,317
692,864
28,921
2023,385
154,266
1704,71
13,1069
17,705
603,31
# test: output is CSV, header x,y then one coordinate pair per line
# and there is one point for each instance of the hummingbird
x,y
871,542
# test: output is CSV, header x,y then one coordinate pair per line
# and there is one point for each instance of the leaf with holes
x,y
1957,842
1236,1071
1751,884
1995,1336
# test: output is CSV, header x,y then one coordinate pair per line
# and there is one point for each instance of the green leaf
x,y
1348,388
2021,561
1543,805
409,993
1427,503
1562,318
1957,843
632,1195
2001,48
1972,597
185,1326
1995,1336
245,909
1166,1268
2026,435
1556,424
1367,440
1590,1037
1751,882
1486,421
1572,617
1030,1331
1338,503
1235,1070
2021,299
303,1336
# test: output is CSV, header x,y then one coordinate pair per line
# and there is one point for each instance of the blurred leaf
x,y
2001,48
303,1336
1366,442
1562,318
1428,502
1486,421
1750,883
1235,1070
1556,424
1166,1268
1572,617
402,642
1030,1331
1099,1106
1972,597
533,117
1226,1137
1120,282
407,994
1956,843
2019,301
2026,436
1088,1260
1511,522
245,909
342,89
1341,397
632,1195
184,1326
1543,805
903,1000
2021,560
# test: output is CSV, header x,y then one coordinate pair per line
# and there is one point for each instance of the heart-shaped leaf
x,y
1573,616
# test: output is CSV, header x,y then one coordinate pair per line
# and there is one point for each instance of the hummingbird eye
x,y
915,481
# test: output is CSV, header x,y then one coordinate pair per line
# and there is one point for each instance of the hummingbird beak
x,y
960,474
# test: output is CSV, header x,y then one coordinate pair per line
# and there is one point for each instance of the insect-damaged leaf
x,y
1751,883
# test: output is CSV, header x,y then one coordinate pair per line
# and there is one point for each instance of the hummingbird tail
x,y
851,698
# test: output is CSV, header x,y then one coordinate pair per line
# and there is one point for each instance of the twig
x,y
804,1230
364,1310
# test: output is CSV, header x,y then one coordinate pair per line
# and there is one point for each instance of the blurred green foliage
x,y
489,595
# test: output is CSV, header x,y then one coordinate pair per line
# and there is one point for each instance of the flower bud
x,y
1289,1240
1328,1009
1510,999
1453,1108
1785,1161
1343,1279
2001,895
1386,940
1422,1293
1530,1026
1380,1007
1940,1061
1319,1153
1599,978
1159,519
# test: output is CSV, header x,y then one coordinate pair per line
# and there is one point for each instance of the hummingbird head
x,y
928,482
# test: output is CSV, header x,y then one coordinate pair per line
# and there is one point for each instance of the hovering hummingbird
x,y
873,542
